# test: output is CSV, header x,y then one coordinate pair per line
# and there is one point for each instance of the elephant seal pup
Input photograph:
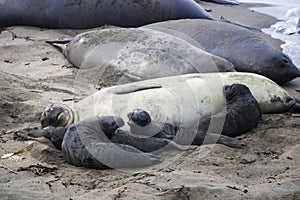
x,y
242,112
179,100
87,144
245,49
139,54
154,129
81,14
242,115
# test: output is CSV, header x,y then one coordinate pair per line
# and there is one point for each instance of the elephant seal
x,y
86,144
81,14
154,129
96,143
245,49
242,115
139,54
179,100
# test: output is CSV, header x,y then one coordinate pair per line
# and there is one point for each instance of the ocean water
x,y
288,12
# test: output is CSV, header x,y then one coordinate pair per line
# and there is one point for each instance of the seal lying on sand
x,y
80,14
96,143
139,54
245,49
242,115
85,144
179,100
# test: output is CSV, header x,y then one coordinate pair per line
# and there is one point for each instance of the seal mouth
x,y
130,121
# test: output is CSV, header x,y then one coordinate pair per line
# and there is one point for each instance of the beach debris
x,y
8,155
247,161
267,151
45,58
7,168
120,192
39,169
14,36
7,61
236,188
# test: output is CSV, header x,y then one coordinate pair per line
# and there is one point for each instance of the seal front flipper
x,y
134,88
55,135
230,142
60,44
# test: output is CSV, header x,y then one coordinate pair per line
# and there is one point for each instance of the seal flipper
x,y
134,88
212,138
55,135
60,44
230,142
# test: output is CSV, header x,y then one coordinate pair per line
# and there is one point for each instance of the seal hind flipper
x,y
230,142
60,44
134,88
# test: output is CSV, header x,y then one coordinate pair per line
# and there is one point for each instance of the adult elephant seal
x,y
179,100
86,144
242,114
80,14
245,49
135,54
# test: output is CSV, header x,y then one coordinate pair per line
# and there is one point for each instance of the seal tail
x,y
60,44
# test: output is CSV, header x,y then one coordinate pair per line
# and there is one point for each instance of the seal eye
x,y
285,61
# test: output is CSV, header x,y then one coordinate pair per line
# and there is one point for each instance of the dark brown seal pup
x,y
87,144
96,143
242,112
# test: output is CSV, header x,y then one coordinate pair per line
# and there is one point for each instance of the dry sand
x,y
34,74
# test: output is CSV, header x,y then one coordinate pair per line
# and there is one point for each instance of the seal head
x,y
57,115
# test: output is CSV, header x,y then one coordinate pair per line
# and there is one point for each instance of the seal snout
x,y
138,117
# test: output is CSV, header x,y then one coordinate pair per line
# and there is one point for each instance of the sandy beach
x,y
33,74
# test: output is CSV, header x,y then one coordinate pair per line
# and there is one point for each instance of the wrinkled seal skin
x,y
88,144
245,49
80,14
139,54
